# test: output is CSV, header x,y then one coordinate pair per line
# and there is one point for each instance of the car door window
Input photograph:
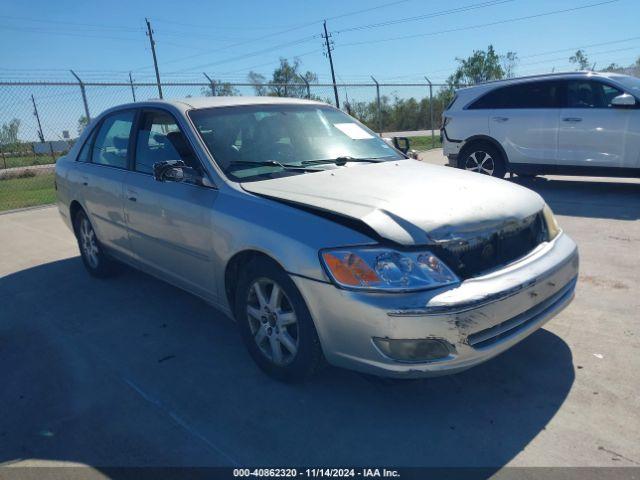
x,y
590,94
525,95
160,139
112,142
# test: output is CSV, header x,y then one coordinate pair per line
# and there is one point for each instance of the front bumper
x,y
481,317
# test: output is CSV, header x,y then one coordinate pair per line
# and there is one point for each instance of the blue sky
x,y
103,41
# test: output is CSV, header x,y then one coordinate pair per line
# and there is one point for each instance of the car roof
x,y
213,102
545,76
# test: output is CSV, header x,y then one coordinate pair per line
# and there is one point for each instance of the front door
x,y
592,132
170,227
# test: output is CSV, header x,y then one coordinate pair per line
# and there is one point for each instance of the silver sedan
x,y
323,241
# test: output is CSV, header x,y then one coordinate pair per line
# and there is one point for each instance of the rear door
x,y
593,133
102,176
524,119
169,222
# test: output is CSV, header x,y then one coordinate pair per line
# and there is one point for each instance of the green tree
x,y
83,121
480,67
258,81
614,67
286,81
580,59
509,63
220,89
9,132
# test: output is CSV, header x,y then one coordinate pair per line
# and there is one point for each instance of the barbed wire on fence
x,y
57,111
41,120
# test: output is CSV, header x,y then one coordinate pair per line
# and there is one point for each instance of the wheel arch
x,y
233,268
475,139
74,208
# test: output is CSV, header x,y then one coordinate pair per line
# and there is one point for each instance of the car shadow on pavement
x,y
587,198
131,371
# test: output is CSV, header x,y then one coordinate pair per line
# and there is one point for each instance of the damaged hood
x,y
408,202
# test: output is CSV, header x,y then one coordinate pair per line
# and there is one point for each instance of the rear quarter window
x,y
85,151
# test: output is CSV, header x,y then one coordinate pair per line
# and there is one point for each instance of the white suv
x,y
580,123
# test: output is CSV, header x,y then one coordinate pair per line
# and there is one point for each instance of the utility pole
x,y
133,90
329,46
153,51
35,112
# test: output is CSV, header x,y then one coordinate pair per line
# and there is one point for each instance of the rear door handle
x,y
85,180
500,119
572,119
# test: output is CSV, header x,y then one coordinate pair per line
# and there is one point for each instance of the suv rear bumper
x,y
450,146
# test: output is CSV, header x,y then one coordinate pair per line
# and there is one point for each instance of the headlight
x,y
378,268
552,225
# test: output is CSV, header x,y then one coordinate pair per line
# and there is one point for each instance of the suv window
x,y
590,94
112,142
524,95
160,139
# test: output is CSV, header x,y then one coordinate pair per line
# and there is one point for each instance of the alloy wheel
x,y
273,321
480,162
88,243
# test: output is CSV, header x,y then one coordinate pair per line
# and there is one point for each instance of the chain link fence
x,y
40,121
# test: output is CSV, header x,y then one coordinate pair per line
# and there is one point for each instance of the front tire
x,y
95,260
275,323
483,158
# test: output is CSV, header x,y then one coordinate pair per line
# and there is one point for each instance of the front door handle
x,y
572,119
500,119
132,195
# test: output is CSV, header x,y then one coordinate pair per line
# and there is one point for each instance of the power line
x,y
426,16
270,35
68,34
250,54
77,24
581,47
471,27
539,54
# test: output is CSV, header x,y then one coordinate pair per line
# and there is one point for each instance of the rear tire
x,y
275,323
483,158
95,260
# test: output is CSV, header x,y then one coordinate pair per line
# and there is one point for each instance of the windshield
x,y
631,83
256,142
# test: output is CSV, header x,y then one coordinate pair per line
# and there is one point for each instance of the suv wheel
x,y
94,258
275,323
483,158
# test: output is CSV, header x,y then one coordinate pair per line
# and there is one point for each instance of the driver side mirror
x,y
402,144
169,171
177,171
624,100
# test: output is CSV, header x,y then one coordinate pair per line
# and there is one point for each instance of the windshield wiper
x,y
342,160
272,163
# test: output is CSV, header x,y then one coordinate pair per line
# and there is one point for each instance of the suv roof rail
x,y
537,75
